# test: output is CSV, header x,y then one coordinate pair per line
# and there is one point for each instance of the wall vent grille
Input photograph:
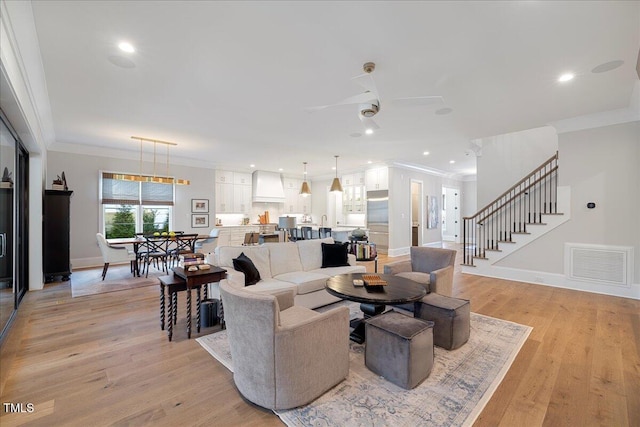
x,y
596,263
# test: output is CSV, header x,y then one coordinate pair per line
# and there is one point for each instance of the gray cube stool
x,y
451,317
399,348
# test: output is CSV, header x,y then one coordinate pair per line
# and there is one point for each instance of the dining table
x,y
140,240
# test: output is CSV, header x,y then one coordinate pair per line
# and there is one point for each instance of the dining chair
x,y
207,246
111,254
184,244
157,252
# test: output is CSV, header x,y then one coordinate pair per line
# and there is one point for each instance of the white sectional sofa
x,y
295,266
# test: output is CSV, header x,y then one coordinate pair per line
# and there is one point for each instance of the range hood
x,y
267,187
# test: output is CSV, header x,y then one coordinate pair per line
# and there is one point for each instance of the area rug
x,y
459,386
119,278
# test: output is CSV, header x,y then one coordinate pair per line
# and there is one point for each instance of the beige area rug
x,y
119,278
459,386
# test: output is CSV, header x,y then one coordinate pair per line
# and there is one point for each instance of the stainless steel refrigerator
x,y
378,219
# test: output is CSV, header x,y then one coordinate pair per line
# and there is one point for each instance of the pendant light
x,y
157,179
305,190
336,187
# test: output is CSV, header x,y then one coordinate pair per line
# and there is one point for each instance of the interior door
x,y
451,214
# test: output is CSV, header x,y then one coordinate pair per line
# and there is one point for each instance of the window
x,y
130,207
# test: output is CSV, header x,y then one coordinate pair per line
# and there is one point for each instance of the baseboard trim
x,y
405,250
87,262
557,281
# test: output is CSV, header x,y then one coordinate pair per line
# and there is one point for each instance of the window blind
x,y
118,192
154,193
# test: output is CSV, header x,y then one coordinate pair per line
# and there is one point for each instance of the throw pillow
x,y
334,255
251,274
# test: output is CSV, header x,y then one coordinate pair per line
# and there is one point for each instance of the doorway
x,y
450,214
416,213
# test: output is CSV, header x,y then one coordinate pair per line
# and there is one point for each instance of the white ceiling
x,y
228,81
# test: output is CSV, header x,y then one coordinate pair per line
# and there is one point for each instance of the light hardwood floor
x,y
103,360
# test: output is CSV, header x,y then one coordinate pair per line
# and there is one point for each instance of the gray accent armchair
x,y
432,267
284,356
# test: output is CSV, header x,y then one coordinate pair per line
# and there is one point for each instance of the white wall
x,y
24,100
469,198
82,173
508,158
600,165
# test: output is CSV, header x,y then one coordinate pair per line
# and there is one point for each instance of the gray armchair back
x,y
283,355
433,267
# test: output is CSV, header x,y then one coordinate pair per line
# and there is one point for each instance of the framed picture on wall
x,y
200,205
199,220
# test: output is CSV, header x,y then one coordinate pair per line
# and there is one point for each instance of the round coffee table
x,y
373,299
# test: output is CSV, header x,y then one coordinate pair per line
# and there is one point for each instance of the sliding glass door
x,y
14,172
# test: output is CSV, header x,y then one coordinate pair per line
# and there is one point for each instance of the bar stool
x,y
306,232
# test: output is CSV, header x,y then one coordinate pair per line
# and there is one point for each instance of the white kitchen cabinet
x,y
240,178
353,199
233,192
242,199
224,177
377,179
234,235
353,179
224,198
304,204
294,203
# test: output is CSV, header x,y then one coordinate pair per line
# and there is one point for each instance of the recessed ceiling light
x,y
252,165
369,162
608,66
355,135
333,168
452,161
425,153
369,131
280,169
566,77
126,47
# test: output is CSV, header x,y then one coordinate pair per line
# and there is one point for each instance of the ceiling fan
x,y
369,101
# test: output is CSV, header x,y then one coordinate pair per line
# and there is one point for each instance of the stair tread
x,y
506,241
535,223
493,250
468,265
520,232
480,257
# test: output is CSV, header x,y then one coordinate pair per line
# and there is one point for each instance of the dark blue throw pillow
x,y
244,264
334,255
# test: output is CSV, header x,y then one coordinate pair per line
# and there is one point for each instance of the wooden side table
x,y
172,284
195,279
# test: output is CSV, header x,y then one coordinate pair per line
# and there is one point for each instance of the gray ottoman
x,y
451,317
399,348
